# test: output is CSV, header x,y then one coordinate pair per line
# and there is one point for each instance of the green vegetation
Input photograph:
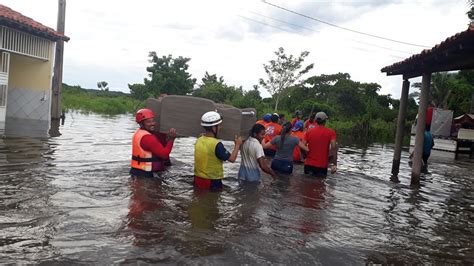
x,y
283,73
98,101
167,75
356,109
451,91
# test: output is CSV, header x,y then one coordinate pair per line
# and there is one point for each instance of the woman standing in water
x,y
285,144
253,157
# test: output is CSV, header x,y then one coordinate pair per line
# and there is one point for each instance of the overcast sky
x,y
110,39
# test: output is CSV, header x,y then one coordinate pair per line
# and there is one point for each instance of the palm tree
x,y
440,89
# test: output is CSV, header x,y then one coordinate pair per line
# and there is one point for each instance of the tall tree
x,y
214,88
440,89
103,85
139,91
283,73
168,75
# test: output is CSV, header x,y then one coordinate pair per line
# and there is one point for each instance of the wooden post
x,y
420,129
402,110
58,73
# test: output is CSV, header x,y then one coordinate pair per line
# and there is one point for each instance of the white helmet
x,y
210,119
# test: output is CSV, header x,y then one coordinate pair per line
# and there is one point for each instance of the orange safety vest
x,y
141,159
296,151
271,130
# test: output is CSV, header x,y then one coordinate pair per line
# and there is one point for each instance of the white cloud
x,y
110,40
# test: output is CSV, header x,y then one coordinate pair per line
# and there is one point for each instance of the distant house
x,y
26,70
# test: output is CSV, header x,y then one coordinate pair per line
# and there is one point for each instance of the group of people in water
x,y
309,142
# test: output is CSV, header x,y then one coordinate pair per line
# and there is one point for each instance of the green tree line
x,y
98,101
355,108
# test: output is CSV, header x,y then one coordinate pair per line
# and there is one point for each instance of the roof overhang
x,y
15,20
455,53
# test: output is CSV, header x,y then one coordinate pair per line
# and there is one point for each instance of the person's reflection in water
x,y
203,213
144,208
312,191
246,217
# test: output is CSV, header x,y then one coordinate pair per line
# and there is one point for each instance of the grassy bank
x,y
96,101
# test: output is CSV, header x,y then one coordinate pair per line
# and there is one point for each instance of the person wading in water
x,y
320,139
253,157
148,153
210,153
285,143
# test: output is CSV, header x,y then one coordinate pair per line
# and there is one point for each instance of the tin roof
x,y
14,19
454,53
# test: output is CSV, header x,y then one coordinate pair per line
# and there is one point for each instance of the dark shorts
x,y
141,173
211,184
269,152
315,171
282,166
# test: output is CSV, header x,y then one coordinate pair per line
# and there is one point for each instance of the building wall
x,y
30,73
29,93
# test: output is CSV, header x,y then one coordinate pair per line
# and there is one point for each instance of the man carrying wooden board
x,y
149,155
210,153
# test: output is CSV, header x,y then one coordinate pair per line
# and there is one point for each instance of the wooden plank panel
x,y
154,105
184,113
231,122
249,117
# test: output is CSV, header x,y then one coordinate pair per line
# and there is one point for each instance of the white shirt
x,y
250,151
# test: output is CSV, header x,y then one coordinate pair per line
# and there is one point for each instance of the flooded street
x,y
70,200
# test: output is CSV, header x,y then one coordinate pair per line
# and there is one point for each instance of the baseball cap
x,y
321,116
298,125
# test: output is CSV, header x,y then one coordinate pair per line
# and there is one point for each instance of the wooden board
x,y
154,105
448,145
249,117
184,114
466,134
231,122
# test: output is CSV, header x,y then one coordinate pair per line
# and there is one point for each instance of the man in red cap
x,y
148,153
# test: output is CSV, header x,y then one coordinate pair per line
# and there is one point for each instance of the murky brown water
x,y
70,200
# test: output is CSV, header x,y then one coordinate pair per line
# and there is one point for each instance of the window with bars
x,y
23,43
4,67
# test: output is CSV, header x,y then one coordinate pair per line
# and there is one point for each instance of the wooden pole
x,y
402,110
420,129
56,111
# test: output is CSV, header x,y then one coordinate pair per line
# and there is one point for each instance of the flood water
x,y
70,200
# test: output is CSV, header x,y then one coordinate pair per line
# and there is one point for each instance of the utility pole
x,y
58,72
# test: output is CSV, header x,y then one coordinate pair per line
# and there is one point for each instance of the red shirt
x,y
318,140
261,122
429,115
309,125
154,144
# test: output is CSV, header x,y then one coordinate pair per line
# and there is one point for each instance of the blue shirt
x,y
221,152
428,143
